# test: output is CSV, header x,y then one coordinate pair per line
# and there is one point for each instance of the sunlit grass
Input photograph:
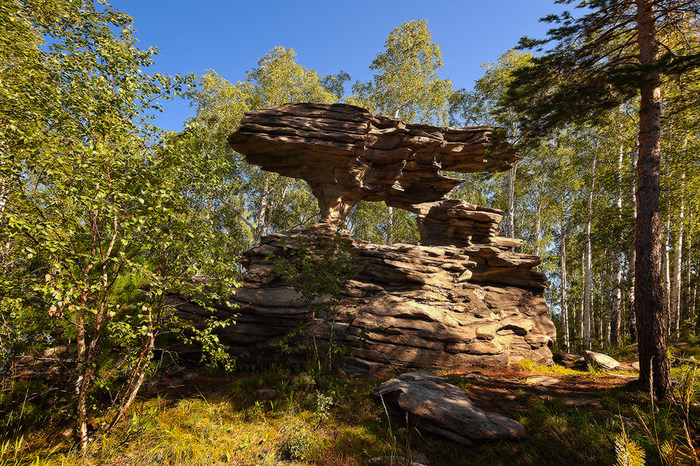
x,y
532,368
335,421
308,423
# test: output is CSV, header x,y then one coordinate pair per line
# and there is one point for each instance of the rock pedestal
x,y
459,298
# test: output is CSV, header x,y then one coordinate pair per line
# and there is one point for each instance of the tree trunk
x,y
675,307
617,264
261,223
389,239
564,285
688,299
582,309
651,332
589,262
84,378
632,250
538,229
666,273
510,213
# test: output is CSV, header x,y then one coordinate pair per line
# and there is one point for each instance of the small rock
x,y
265,394
543,380
601,360
583,403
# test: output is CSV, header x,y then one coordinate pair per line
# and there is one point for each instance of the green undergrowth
x,y
274,417
532,368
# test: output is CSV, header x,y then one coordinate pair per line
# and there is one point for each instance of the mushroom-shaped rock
x,y
347,154
445,409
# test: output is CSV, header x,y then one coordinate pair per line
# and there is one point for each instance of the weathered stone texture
x,y
347,154
408,307
459,298
445,409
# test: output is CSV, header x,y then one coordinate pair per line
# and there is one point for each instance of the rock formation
x,y
459,298
347,154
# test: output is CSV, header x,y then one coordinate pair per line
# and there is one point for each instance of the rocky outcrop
x,y
407,306
459,298
445,409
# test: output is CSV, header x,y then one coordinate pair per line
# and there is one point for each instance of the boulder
x,y
601,360
570,360
445,409
408,307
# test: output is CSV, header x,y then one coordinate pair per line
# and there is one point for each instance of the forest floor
x,y
277,417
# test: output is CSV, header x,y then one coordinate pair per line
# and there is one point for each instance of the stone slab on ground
x,y
542,380
583,403
445,409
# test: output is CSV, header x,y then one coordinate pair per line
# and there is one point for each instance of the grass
x,y
532,368
334,421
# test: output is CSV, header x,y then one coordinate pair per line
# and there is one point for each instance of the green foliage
x,y
481,106
594,64
406,83
214,354
627,451
98,214
377,223
252,203
318,268
299,442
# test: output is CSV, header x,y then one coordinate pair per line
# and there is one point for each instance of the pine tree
x,y
605,57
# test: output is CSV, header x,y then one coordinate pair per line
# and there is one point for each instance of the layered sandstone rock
x,y
459,298
347,154
407,307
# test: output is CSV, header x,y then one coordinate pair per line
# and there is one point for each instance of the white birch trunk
x,y
589,261
564,285
666,274
261,223
390,227
677,278
616,311
538,229
510,224
633,252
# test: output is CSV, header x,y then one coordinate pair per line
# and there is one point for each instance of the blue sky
x,y
230,36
